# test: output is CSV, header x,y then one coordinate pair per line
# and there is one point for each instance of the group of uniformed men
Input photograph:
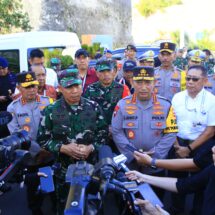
x,y
154,110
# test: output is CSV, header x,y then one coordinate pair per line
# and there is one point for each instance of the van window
x,y
13,59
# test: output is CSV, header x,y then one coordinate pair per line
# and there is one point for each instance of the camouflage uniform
x,y
180,63
63,124
106,97
209,65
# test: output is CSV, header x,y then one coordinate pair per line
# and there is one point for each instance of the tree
x,y
148,7
12,17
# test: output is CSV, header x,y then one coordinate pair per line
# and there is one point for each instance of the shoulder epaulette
x,y
163,98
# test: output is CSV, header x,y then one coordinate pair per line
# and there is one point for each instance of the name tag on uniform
x,y
130,124
175,84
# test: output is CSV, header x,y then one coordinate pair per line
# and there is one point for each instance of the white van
x,y
16,47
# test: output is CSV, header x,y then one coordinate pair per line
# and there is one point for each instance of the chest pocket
x,y
116,95
158,124
175,83
130,124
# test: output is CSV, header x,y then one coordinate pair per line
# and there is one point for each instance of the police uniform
x,y
27,115
210,85
146,57
197,55
120,72
63,124
169,82
148,127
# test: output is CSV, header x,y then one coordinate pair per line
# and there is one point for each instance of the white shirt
x,y
51,78
193,115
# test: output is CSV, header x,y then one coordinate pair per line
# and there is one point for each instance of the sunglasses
x,y
193,79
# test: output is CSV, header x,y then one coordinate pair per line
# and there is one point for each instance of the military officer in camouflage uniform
x,y
180,62
209,62
73,129
169,79
144,120
27,113
106,92
147,59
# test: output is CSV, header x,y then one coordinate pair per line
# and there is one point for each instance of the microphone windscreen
x,y
105,152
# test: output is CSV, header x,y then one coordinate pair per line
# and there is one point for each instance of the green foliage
x,y
148,7
93,49
12,17
66,60
175,37
204,43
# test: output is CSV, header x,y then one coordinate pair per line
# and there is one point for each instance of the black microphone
x,y
5,117
105,167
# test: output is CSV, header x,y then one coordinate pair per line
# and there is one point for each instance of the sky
x,y
193,17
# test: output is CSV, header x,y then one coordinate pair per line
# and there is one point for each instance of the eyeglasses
x,y
193,79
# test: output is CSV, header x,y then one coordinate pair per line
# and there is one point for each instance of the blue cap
x,y
3,62
108,51
197,55
147,56
129,65
80,52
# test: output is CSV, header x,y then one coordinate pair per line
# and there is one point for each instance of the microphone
x,y
105,167
120,162
5,117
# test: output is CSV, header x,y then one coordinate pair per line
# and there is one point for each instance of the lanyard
x,y
201,106
84,81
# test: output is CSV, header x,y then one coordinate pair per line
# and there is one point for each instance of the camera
x,y
13,153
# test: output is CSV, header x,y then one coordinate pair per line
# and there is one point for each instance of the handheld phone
x,y
46,183
131,148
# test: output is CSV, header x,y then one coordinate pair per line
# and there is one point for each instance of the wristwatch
x,y
153,163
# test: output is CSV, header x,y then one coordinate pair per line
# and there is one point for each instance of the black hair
x,y
207,51
201,68
36,53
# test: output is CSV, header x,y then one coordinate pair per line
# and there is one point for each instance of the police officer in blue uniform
x,y
27,113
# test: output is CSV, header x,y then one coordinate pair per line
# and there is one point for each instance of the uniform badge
x,y
26,128
128,102
131,134
130,112
130,124
158,113
158,124
175,75
27,119
131,108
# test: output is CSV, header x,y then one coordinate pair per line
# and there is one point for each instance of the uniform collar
x,y
64,104
151,102
109,87
23,101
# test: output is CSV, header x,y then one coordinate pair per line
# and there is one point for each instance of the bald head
x,y
40,73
